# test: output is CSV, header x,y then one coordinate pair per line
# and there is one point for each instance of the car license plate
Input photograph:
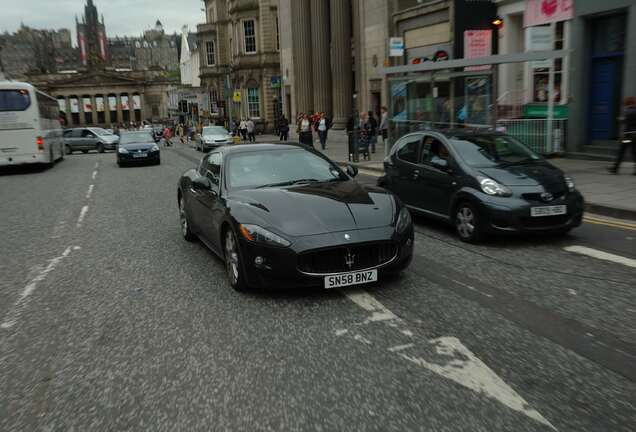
x,y
548,211
139,155
355,278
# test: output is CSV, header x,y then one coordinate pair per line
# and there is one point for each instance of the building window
x,y
253,102
214,101
249,34
541,75
277,35
209,52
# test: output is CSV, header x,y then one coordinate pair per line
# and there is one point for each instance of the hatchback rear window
x,y
14,100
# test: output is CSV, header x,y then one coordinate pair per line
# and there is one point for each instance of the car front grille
x,y
545,221
345,259
536,197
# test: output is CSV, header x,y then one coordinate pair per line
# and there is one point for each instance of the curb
x,y
613,212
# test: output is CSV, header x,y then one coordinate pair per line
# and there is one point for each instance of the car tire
x,y
187,233
233,262
68,150
100,148
467,223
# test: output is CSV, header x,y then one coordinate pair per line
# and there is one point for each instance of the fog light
x,y
259,261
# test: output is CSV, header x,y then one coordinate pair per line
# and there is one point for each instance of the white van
x,y
30,130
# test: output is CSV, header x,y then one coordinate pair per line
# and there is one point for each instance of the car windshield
x,y
136,137
100,131
214,130
279,168
483,151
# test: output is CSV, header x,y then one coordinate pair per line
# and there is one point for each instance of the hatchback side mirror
x,y
352,171
439,163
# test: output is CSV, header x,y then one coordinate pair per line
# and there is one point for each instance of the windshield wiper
x,y
289,183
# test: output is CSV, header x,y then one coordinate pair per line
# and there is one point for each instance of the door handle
x,y
416,174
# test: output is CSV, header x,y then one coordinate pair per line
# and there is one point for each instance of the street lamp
x,y
356,127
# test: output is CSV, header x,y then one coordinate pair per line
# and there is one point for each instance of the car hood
x,y
109,138
525,175
137,146
216,137
315,209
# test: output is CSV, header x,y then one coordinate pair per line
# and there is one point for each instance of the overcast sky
x,y
122,17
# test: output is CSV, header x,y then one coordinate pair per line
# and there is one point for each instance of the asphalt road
x,y
109,321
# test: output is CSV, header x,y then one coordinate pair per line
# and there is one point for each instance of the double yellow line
x,y
610,223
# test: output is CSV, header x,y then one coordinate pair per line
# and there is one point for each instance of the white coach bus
x,y
30,130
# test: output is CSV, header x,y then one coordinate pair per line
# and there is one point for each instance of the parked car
x,y
212,137
138,147
287,216
481,182
86,139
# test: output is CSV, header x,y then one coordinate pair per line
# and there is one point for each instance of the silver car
x,y
86,139
212,137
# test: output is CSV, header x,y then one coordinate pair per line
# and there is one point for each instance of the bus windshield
x,y
14,100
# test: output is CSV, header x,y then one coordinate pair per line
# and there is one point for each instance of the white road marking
x,y
601,255
94,174
96,165
401,347
472,288
341,332
90,191
82,215
12,316
362,339
466,369
458,363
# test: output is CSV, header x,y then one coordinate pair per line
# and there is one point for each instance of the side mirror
x,y
201,184
352,171
439,163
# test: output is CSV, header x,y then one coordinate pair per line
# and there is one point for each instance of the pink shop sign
x,y
539,12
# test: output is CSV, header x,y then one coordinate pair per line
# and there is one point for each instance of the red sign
x,y
83,53
539,12
102,45
477,43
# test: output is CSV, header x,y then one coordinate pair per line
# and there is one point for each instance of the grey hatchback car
x,y
86,139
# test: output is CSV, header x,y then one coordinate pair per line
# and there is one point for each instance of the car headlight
x,y
570,183
254,233
154,148
122,150
491,187
404,221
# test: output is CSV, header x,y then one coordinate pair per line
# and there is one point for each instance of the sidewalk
x,y
605,194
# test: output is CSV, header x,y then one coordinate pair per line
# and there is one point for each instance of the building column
x,y
120,114
321,65
94,105
341,64
82,117
69,115
106,111
301,29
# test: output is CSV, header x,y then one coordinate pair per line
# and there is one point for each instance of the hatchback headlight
x,y
154,148
254,233
404,221
122,150
491,187
570,183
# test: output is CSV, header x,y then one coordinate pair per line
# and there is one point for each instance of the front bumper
x,y
8,159
212,146
513,215
128,158
280,267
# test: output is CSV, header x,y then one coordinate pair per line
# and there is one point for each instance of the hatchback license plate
x,y
355,278
139,155
548,211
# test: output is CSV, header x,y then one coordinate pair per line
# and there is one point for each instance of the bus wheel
x,y
67,150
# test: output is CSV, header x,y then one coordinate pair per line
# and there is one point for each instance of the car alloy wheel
x,y
233,262
183,219
466,223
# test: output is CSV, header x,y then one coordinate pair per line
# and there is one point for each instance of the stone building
x,y
239,56
153,50
33,50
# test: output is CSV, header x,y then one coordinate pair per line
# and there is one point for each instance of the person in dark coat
x,y
629,135
322,126
372,131
283,128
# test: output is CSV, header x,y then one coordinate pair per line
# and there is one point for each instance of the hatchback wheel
x,y
68,150
233,262
185,225
100,148
467,223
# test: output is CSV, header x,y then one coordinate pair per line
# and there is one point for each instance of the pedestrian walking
x,y
629,135
350,137
251,130
283,128
243,129
322,126
372,131
384,125
167,136
304,131
364,136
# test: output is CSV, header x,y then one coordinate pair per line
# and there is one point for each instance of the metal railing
x,y
533,133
